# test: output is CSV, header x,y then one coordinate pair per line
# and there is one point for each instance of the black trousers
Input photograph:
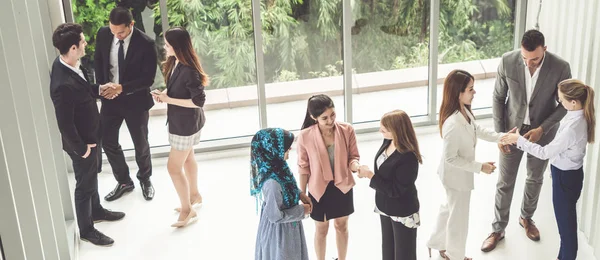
x,y
566,189
137,122
87,202
397,241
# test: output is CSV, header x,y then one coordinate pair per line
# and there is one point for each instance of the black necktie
x,y
121,57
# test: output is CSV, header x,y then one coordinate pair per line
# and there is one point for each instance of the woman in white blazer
x,y
459,132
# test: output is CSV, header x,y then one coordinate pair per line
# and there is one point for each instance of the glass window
x,y
93,15
390,53
223,36
473,36
302,41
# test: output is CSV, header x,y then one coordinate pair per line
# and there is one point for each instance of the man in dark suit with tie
x,y
126,57
78,120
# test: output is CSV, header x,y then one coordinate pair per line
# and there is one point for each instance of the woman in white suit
x,y
460,133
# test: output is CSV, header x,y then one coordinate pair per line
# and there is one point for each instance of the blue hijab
x,y
267,162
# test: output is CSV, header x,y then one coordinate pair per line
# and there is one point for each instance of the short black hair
x,y
533,39
119,16
65,36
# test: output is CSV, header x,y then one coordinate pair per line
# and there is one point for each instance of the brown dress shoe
x,y
530,229
491,241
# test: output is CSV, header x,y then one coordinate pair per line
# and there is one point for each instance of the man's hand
x,y
89,150
505,149
534,135
111,90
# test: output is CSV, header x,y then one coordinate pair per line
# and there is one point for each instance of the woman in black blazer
x,y
185,97
396,168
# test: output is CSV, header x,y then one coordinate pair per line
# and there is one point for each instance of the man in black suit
x,y
126,57
77,116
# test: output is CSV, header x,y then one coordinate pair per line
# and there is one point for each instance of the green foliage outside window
x,y
302,38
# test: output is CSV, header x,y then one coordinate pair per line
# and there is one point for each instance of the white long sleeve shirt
x,y
567,150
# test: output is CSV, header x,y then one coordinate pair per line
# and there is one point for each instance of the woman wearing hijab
x,y
280,232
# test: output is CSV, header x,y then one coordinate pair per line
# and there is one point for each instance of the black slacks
x,y
87,202
397,241
137,123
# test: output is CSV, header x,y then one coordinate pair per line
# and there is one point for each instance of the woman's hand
x,y
306,200
307,209
509,138
365,172
160,97
488,167
354,166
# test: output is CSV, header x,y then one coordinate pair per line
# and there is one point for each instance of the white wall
x,y
571,30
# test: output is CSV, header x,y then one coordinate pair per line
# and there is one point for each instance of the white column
x,y
33,179
571,30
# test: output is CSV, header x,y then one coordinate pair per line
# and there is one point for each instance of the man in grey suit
x,y
525,96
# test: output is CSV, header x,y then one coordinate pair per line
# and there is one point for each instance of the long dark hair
x,y
181,42
317,104
456,82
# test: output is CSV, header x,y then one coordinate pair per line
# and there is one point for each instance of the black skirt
x,y
333,204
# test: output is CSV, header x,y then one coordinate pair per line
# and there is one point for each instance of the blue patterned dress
x,y
280,233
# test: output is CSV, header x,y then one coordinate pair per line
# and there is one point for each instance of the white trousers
x,y
452,225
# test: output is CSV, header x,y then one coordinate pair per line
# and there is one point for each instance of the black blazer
x,y
185,83
394,183
75,107
138,72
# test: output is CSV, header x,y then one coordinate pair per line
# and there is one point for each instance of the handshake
x,y
110,90
365,172
306,202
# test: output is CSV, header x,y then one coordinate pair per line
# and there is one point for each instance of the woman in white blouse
x,y
460,133
566,153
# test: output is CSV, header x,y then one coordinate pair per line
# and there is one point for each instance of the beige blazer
x,y
458,156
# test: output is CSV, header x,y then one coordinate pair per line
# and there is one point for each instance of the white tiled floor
x,y
227,223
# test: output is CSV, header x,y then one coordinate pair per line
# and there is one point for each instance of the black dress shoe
x,y
97,238
109,216
147,189
119,191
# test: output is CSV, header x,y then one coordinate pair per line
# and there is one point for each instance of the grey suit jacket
x,y
510,97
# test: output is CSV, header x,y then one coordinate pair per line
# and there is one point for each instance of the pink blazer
x,y
313,159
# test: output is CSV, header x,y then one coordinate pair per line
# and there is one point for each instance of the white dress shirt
x,y
567,150
530,81
76,69
114,56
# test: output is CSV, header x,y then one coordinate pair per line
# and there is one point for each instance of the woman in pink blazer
x,y
327,156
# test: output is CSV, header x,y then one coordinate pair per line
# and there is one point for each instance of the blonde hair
x,y
399,125
573,89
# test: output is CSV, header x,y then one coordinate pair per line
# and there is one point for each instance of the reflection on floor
x,y
227,223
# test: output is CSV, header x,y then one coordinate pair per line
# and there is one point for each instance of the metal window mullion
x,y
164,15
434,23
347,57
68,11
520,21
260,64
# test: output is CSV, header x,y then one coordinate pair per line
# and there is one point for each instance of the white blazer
x,y
458,156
